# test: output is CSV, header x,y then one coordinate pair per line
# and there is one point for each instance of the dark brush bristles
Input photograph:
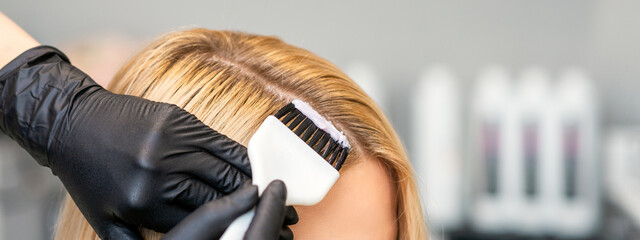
x,y
315,138
297,120
320,141
343,156
309,131
322,144
330,148
304,126
290,116
285,110
333,156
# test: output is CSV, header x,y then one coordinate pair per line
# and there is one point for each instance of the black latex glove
x,y
211,220
125,161
272,217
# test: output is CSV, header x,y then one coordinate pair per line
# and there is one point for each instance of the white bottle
x,y
437,148
550,164
579,156
533,93
491,104
511,173
623,169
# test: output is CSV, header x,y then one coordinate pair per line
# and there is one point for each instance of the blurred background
x,y
521,117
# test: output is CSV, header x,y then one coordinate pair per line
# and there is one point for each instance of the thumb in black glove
x,y
212,219
272,218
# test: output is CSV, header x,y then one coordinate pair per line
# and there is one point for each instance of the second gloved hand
x,y
269,223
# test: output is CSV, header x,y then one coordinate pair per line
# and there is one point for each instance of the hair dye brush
x,y
299,147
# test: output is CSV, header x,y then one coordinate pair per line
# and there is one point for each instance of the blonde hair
x,y
232,81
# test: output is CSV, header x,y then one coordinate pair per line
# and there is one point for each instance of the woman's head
x,y
232,81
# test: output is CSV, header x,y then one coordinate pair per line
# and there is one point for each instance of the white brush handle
x,y
239,227
276,153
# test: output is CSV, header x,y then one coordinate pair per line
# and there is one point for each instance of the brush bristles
x,y
320,141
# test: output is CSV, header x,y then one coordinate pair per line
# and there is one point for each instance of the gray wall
x,y
399,38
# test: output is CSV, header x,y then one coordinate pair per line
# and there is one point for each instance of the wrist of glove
x,y
36,93
125,161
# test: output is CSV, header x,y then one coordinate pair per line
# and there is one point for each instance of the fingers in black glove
x,y
291,216
118,230
212,219
268,222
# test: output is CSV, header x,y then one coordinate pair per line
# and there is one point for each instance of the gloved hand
x,y
212,219
125,161
268,222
